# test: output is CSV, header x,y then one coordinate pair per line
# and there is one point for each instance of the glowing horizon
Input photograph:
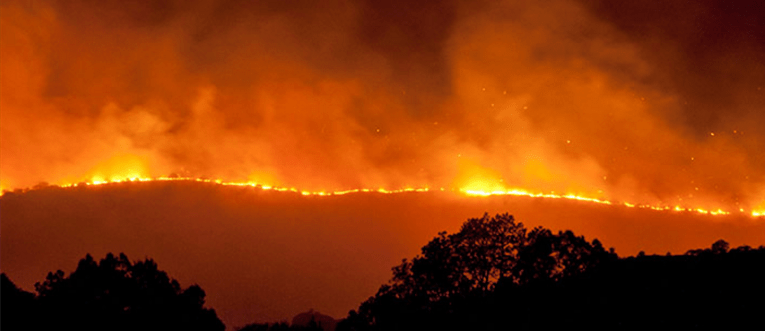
x,y
466,191
569,98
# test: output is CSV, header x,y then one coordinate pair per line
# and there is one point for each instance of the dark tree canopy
x,y
494,274
474,259
486,252
545,256
115,294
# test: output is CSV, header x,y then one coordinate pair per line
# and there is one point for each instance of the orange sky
x,y
658,103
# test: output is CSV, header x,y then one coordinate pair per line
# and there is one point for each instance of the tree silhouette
x,y
496,275
473,259
455,270
115,294
718,247
545,256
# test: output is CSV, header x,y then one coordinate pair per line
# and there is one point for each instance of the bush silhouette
x,y
115,294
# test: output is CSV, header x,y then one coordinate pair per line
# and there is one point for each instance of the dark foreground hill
x,y
712,291
538,280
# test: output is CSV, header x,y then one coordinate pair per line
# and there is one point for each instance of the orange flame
x,y
471,190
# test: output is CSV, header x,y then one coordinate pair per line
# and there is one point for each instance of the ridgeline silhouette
x,y
308,321
494,274
113,294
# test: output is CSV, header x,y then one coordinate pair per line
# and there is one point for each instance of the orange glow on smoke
x,y
474,178
759,210
119,168
511,98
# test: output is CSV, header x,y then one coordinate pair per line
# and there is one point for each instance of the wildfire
x,y
470,191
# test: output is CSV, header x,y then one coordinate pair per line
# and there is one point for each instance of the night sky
x,y
658,103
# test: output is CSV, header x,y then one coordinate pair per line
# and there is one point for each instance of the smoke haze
x,y
651,103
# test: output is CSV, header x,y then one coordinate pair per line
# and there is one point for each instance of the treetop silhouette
x,y
487,250
485,253
494,274
116,294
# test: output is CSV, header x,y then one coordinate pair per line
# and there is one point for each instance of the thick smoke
x,y
655,103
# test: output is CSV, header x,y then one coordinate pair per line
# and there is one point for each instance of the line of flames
x,y
469,192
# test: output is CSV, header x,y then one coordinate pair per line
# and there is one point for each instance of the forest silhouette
x,y
113,294
494,273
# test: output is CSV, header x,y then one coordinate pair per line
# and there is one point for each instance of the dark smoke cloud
x,y
711,54
618,100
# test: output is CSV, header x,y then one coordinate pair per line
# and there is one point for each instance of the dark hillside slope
x,y
725,291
